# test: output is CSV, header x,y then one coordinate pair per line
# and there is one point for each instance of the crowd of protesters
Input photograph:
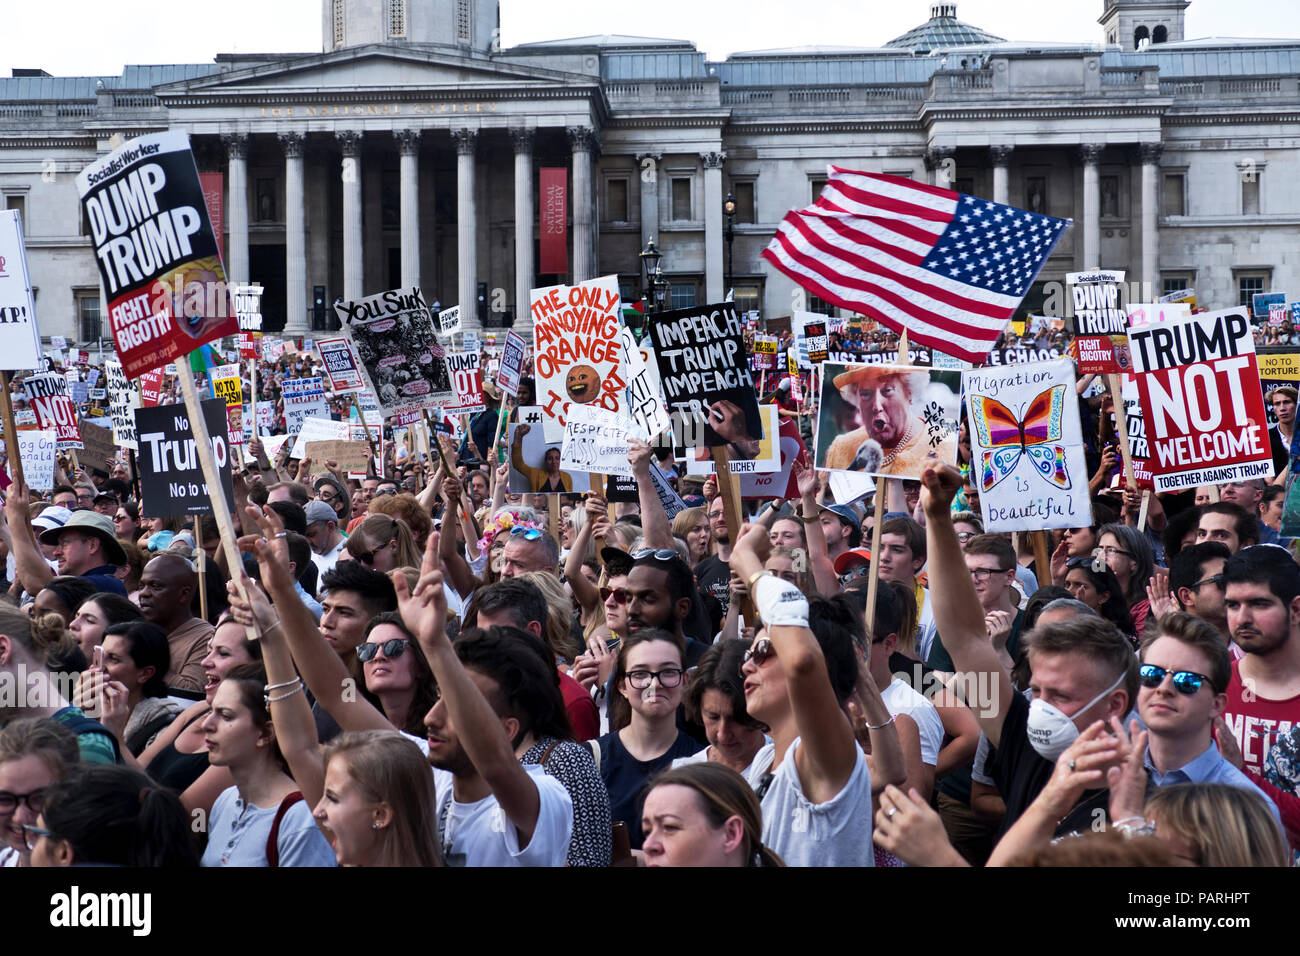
x,y
416,668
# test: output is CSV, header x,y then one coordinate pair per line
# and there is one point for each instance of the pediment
x,y
379,68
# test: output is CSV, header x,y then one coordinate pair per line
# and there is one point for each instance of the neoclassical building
x,y
408,152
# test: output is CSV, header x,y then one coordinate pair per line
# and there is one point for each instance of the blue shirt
x,y
1209,767
104,580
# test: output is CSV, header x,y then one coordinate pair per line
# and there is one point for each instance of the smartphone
x,y
98,655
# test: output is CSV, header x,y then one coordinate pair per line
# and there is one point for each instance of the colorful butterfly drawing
x,y
1005,437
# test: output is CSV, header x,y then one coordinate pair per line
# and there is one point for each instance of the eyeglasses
x,y
620,595
1215,579
759,653
662,554
668,677
983,574
528,534
392,649
35,800
385,491
1185,682
964,536
1111,552
121,517
32,834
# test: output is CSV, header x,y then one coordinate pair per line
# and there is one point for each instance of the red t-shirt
x,y
584,715
1256,721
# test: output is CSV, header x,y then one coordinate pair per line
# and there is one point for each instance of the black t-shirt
x,y
625,777
713,575
1020,774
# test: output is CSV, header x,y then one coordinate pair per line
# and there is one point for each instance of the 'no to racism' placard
x,y
1199,384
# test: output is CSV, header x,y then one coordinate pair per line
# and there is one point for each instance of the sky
x,y
85,42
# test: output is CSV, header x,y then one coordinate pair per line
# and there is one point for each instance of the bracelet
x,y
283,534
810,519
275,700
752,578
289,683
881,726
268,630
1135,826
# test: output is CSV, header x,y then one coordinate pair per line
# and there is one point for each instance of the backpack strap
x,y
546,754
82,724
273,841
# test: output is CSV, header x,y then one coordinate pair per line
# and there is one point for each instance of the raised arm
x,y
458,569
30,566
655,526
828,752
584,592
958,615
819,559
481,731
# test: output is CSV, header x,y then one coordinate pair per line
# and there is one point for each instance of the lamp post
x,y
729,208
650,257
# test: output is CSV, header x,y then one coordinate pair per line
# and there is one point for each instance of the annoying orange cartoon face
x,y
582,383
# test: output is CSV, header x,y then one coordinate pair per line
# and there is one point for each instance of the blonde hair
x,y
379,530
559,614
1228,825
45,638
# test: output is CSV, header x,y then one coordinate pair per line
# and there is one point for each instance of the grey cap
x,y
318,511
94,524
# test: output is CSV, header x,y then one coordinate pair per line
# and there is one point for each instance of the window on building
x,y
816,185
1250,177
820,306
1171,282
464,21
743,193
1174,200
88,319
19,203
1159,35
397,18
338,23
1141,37
1250,284
748,297
616,200
682,200
681,296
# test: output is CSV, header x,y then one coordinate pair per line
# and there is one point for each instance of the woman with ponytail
x,y
703,814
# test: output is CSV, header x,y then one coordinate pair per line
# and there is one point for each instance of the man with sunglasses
x,y
1184,675
529,549
661,596
1196,582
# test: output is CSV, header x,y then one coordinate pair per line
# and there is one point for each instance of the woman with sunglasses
x,y
644,737
126,521
1089,580
704,814
383,543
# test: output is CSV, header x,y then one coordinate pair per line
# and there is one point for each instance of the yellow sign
x,y
229,390
1279,368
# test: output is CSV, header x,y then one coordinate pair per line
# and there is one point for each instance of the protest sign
x,y
37,451
596,441
58,341
164,286
150,387
534,462
889,420
1018,356
849,486
765,353
47,394
395,341
1262,302
248,307
351,456
171,479
577,350
766,457
920,356
701,360
228,387
467,382
1027,457
512,361
621,488
1205,417
811,337
317,429
1185,296
645,396
1099,322
1139,450
304,398
266,416
248,346
97,394
98,445
449,320
1277,315
1278,365
796,383
78,392
669,499
20,339
340,365
779,483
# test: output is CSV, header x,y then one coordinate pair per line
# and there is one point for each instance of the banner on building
x,y
553,218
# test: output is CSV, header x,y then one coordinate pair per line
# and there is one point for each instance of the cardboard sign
x,y
47,394
20,339
317,429
1027,457
535,463
449,320
701,357
164,286
303,409
248,307
765,353
578,358
1204,412
1099,322
1262,302
467,380
645,395
512,362
98,445
811,337
171,481
596,441
350,455
889,420
37,450
780,483
395,341
340,365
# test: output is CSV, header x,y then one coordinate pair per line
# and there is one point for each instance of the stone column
x,y
354,280
714,267
942,164
237,205
408,147
1001,158
1150,153
581,142
1090,155
466,141
648,165
522,139
295,235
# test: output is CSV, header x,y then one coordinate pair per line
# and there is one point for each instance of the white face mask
x,y
1051,731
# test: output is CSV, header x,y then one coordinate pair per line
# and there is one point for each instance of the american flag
x,y
949,268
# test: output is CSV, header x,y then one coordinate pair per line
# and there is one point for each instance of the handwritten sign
x,y
596,441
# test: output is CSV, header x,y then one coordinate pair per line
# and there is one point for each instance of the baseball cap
x,y
52,517
318,511
850,559
617,561
846,514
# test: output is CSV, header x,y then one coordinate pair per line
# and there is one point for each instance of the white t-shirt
x,y
901,698
702,756
834,833
926,629
327,562
478,834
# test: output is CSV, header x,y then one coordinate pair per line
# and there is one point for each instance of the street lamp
x,y
729,208
650,257
660,287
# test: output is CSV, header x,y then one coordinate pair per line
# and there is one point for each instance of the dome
x,y
943,29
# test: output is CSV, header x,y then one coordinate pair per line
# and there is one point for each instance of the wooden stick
x,y
879,505
433,440
729,488
1121,427
362,415
598,486
553,508
1142,512
1042,560
220,507
199,556
11,430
